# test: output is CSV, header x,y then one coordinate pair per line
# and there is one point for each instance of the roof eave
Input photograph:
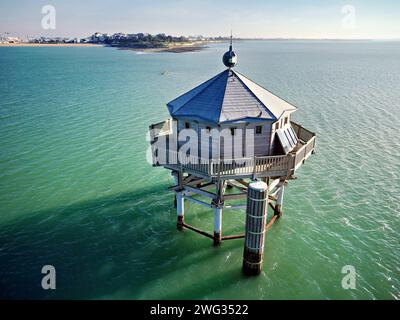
x,y
194,118
248,119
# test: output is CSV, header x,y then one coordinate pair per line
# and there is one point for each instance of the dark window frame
x,y
259,129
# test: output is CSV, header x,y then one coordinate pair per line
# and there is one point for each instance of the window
x,y
187,125
277,126
208,129
258,129
233,131
286,120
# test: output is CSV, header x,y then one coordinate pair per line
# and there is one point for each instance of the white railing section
x,y
224,167
304,152
160,129
267,165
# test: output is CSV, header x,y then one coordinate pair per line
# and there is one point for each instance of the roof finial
x,y
230,58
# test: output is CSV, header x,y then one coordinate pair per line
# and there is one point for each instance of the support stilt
x,y
180,210
217,226
180,202
279,200
218,205
174,175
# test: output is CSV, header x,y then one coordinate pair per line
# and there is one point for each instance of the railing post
x,y
292,162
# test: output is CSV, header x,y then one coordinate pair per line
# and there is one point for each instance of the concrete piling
x,y
256,216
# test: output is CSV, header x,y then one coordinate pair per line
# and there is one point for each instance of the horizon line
x,y
237,38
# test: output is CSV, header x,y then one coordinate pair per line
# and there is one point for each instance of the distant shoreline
x,y
174,48
49,45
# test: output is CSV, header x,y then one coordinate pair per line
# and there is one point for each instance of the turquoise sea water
x,y
77,192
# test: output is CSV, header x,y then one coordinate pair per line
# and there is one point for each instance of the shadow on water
x,y
111,247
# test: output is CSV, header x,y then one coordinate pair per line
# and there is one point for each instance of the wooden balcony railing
x,y
308,139
281,165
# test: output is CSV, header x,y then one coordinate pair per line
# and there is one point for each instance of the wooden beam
x,y
197,181
243,207
203,233
272,197
189,178
207,185
272,206
239,236
271,222
235,196
273,184
201,192
238,185
246,184
202,203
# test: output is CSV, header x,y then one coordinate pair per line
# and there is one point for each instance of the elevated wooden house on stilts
x,y
230,132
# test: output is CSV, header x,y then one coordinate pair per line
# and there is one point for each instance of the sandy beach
x,y
172,47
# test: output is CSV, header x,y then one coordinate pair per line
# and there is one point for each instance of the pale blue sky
x,y
248,18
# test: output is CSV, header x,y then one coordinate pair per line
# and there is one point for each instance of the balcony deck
x,y
251,167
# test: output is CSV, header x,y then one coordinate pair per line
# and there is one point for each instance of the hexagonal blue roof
x,y
229,97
